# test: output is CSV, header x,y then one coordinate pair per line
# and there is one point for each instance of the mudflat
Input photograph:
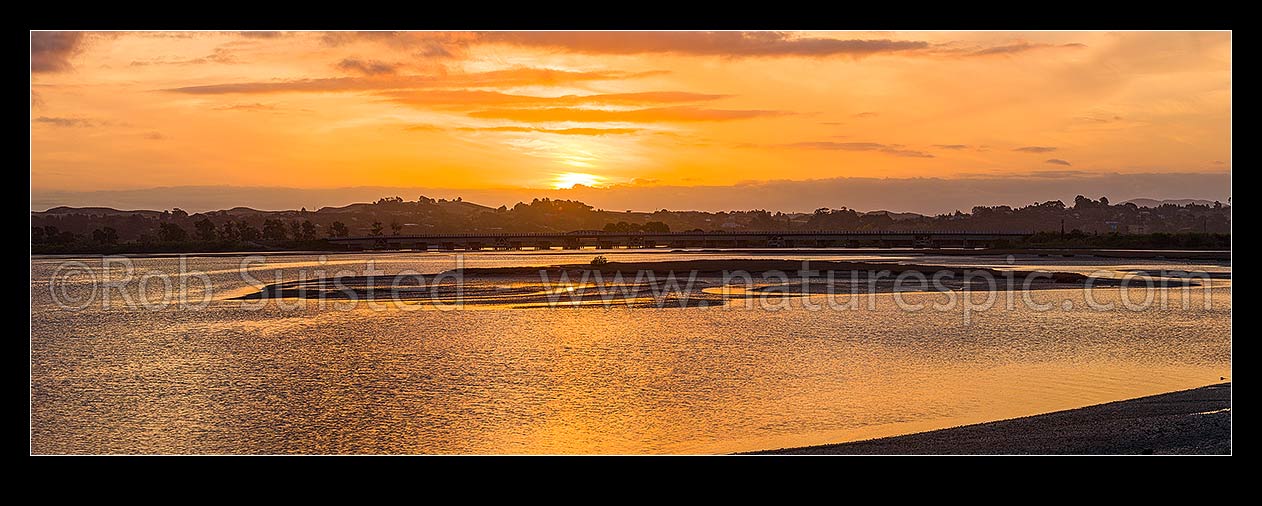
x,y
1196,421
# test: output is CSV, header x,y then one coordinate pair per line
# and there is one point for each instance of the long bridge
x,y
696,239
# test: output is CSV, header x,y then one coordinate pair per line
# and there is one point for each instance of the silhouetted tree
x,y
623,226
308,230
274,230
205,229
66,237
338,229
376,228
170,232
105,235
1135,224
247,232
228,231
179,213
395,228
656,227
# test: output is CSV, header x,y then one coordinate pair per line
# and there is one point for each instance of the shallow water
x,y
300,378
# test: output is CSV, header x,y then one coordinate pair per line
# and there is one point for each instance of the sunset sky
x,y
502,115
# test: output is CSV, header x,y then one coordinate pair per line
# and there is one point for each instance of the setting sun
x,y
570,179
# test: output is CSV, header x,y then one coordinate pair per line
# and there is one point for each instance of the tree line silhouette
x,y
1083,222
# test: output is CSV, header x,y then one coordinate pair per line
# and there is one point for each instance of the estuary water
x,y
117,369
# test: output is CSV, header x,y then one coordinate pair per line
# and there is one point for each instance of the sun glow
x,y
710,114
569,179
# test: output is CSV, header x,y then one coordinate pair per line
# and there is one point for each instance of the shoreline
x,y
1151,254
1185,422
790,268
706,283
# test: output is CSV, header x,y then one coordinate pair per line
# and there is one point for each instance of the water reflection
x,y
605,380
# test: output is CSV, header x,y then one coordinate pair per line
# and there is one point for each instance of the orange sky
x,y
539,110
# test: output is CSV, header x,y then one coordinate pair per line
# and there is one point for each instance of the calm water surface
x,y
295,379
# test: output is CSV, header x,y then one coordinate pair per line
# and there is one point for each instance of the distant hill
x,y
239,211
95,211
450,206
1159,203
463,208
895,216
393,215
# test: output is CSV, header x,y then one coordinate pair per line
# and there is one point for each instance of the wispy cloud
x,y
64,122
257,106
51,51
219,55
558,131
889,149
522,76
907,153
526,129
1036,149
951,146
749,44
1056,174
1057,161
367,67
495,98
422,45
650,115
1098,119
1019,47
728,44
260,107
261,34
